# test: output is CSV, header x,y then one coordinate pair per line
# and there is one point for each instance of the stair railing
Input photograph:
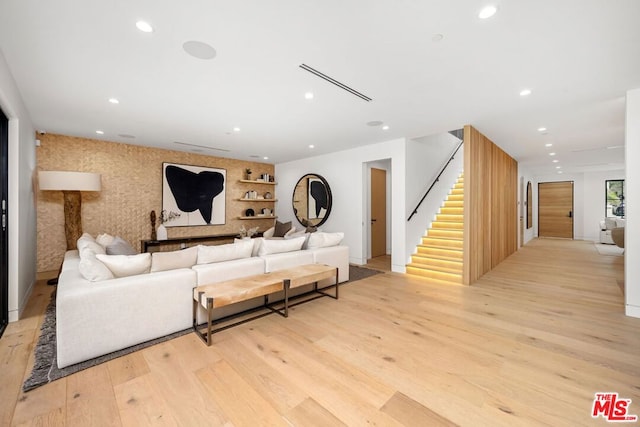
x,y
415,211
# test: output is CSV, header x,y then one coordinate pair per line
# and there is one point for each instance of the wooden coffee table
x,y
221,294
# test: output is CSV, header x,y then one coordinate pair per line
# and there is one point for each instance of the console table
x,y
146,244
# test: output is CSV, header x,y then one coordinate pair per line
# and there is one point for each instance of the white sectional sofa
x,y
96,317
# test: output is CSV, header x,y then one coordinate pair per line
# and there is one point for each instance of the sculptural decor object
x,y
312,200
197,193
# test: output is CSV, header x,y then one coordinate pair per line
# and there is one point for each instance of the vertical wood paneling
x,y
490,207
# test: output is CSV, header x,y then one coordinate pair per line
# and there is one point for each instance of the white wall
x,y
21,203
425,158
346,173
594,201
632,209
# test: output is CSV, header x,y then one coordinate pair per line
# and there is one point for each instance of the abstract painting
x,y
318,199
196,193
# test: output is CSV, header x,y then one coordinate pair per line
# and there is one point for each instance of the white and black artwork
x,y
197,193
318,199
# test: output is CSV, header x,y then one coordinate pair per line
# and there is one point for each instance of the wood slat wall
x,y
490,206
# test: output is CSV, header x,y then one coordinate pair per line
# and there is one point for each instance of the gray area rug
x,y
45,368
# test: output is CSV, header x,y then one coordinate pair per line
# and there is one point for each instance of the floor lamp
x,y
71,184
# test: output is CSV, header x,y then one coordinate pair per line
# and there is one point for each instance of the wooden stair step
x,y
449,217
457,191
452,266
447,234
458,210
459,185
447,225
432,274
438,242
453,203
457,197
443,253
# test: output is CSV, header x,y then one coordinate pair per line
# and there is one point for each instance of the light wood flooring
x,y
528,344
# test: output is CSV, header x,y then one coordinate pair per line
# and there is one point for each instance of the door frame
x,y
573,210
4,219
386,164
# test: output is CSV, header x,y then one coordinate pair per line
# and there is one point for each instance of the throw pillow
x,y
257,241
104,239
323,240
279,246
281,228
91,268
219,253
119,246
86,243
126,265
299,234
185,258
610,223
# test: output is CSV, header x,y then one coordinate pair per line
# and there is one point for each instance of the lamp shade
x,y
69,181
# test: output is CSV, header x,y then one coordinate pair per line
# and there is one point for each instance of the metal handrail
x,y
415,211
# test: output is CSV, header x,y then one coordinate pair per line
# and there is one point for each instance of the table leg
x,y
286,284
209,319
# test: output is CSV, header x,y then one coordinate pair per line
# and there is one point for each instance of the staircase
x,y
439,257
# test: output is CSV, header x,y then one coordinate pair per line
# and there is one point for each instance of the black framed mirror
x,y
312,200
529,206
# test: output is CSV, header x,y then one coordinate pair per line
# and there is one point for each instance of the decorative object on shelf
x,y
312,200
244,233
272,178
265,177
247,174
161,232
249,212
196,191
268,196
152,218
266,211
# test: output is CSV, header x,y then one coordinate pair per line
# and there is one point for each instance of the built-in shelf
x,y
249,181
256,200
258,217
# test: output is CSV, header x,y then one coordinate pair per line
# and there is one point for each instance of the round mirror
x,y
312,200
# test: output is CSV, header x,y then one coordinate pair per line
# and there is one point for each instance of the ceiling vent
x,y
201,146
335,82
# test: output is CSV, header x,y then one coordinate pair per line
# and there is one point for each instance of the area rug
x,y
609,250
45,368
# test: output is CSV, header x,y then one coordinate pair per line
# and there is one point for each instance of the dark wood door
x,y
555,209
378,212
4,253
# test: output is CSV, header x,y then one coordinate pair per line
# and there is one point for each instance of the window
x,y
614,203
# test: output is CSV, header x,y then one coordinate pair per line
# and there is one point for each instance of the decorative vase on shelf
x,y
161,233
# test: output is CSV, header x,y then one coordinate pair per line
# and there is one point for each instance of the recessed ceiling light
x,y
487,12
199,50
126,135
555,161
265,158
558,167
236,129
525,92
100,132
542,129
552,154
559,171
145,27
308,95
385,127
374,123
312,146
437,37
114,101
548,144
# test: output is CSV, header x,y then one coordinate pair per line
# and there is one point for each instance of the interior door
x,y
555,209
4,253
378,212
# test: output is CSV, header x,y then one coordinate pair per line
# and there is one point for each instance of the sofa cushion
x,y
230,251
301,233
119,246
185,258
104,239
270,246
323,240
270,232
91,268
126,265
610,223
281,228
88,242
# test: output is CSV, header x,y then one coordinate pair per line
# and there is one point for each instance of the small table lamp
x,y
71,184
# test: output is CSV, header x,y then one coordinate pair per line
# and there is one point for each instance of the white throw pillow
x,y
104,239
610,223
321,239
269,233
126,265
219,253
185,258
270,246
300,234
88,243
91,268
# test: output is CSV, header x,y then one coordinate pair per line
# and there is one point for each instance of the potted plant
x,y
247,172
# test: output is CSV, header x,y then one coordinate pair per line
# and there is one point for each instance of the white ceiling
x,y
577,56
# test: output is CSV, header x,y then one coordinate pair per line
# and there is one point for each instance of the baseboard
x,y
632,311
15,315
